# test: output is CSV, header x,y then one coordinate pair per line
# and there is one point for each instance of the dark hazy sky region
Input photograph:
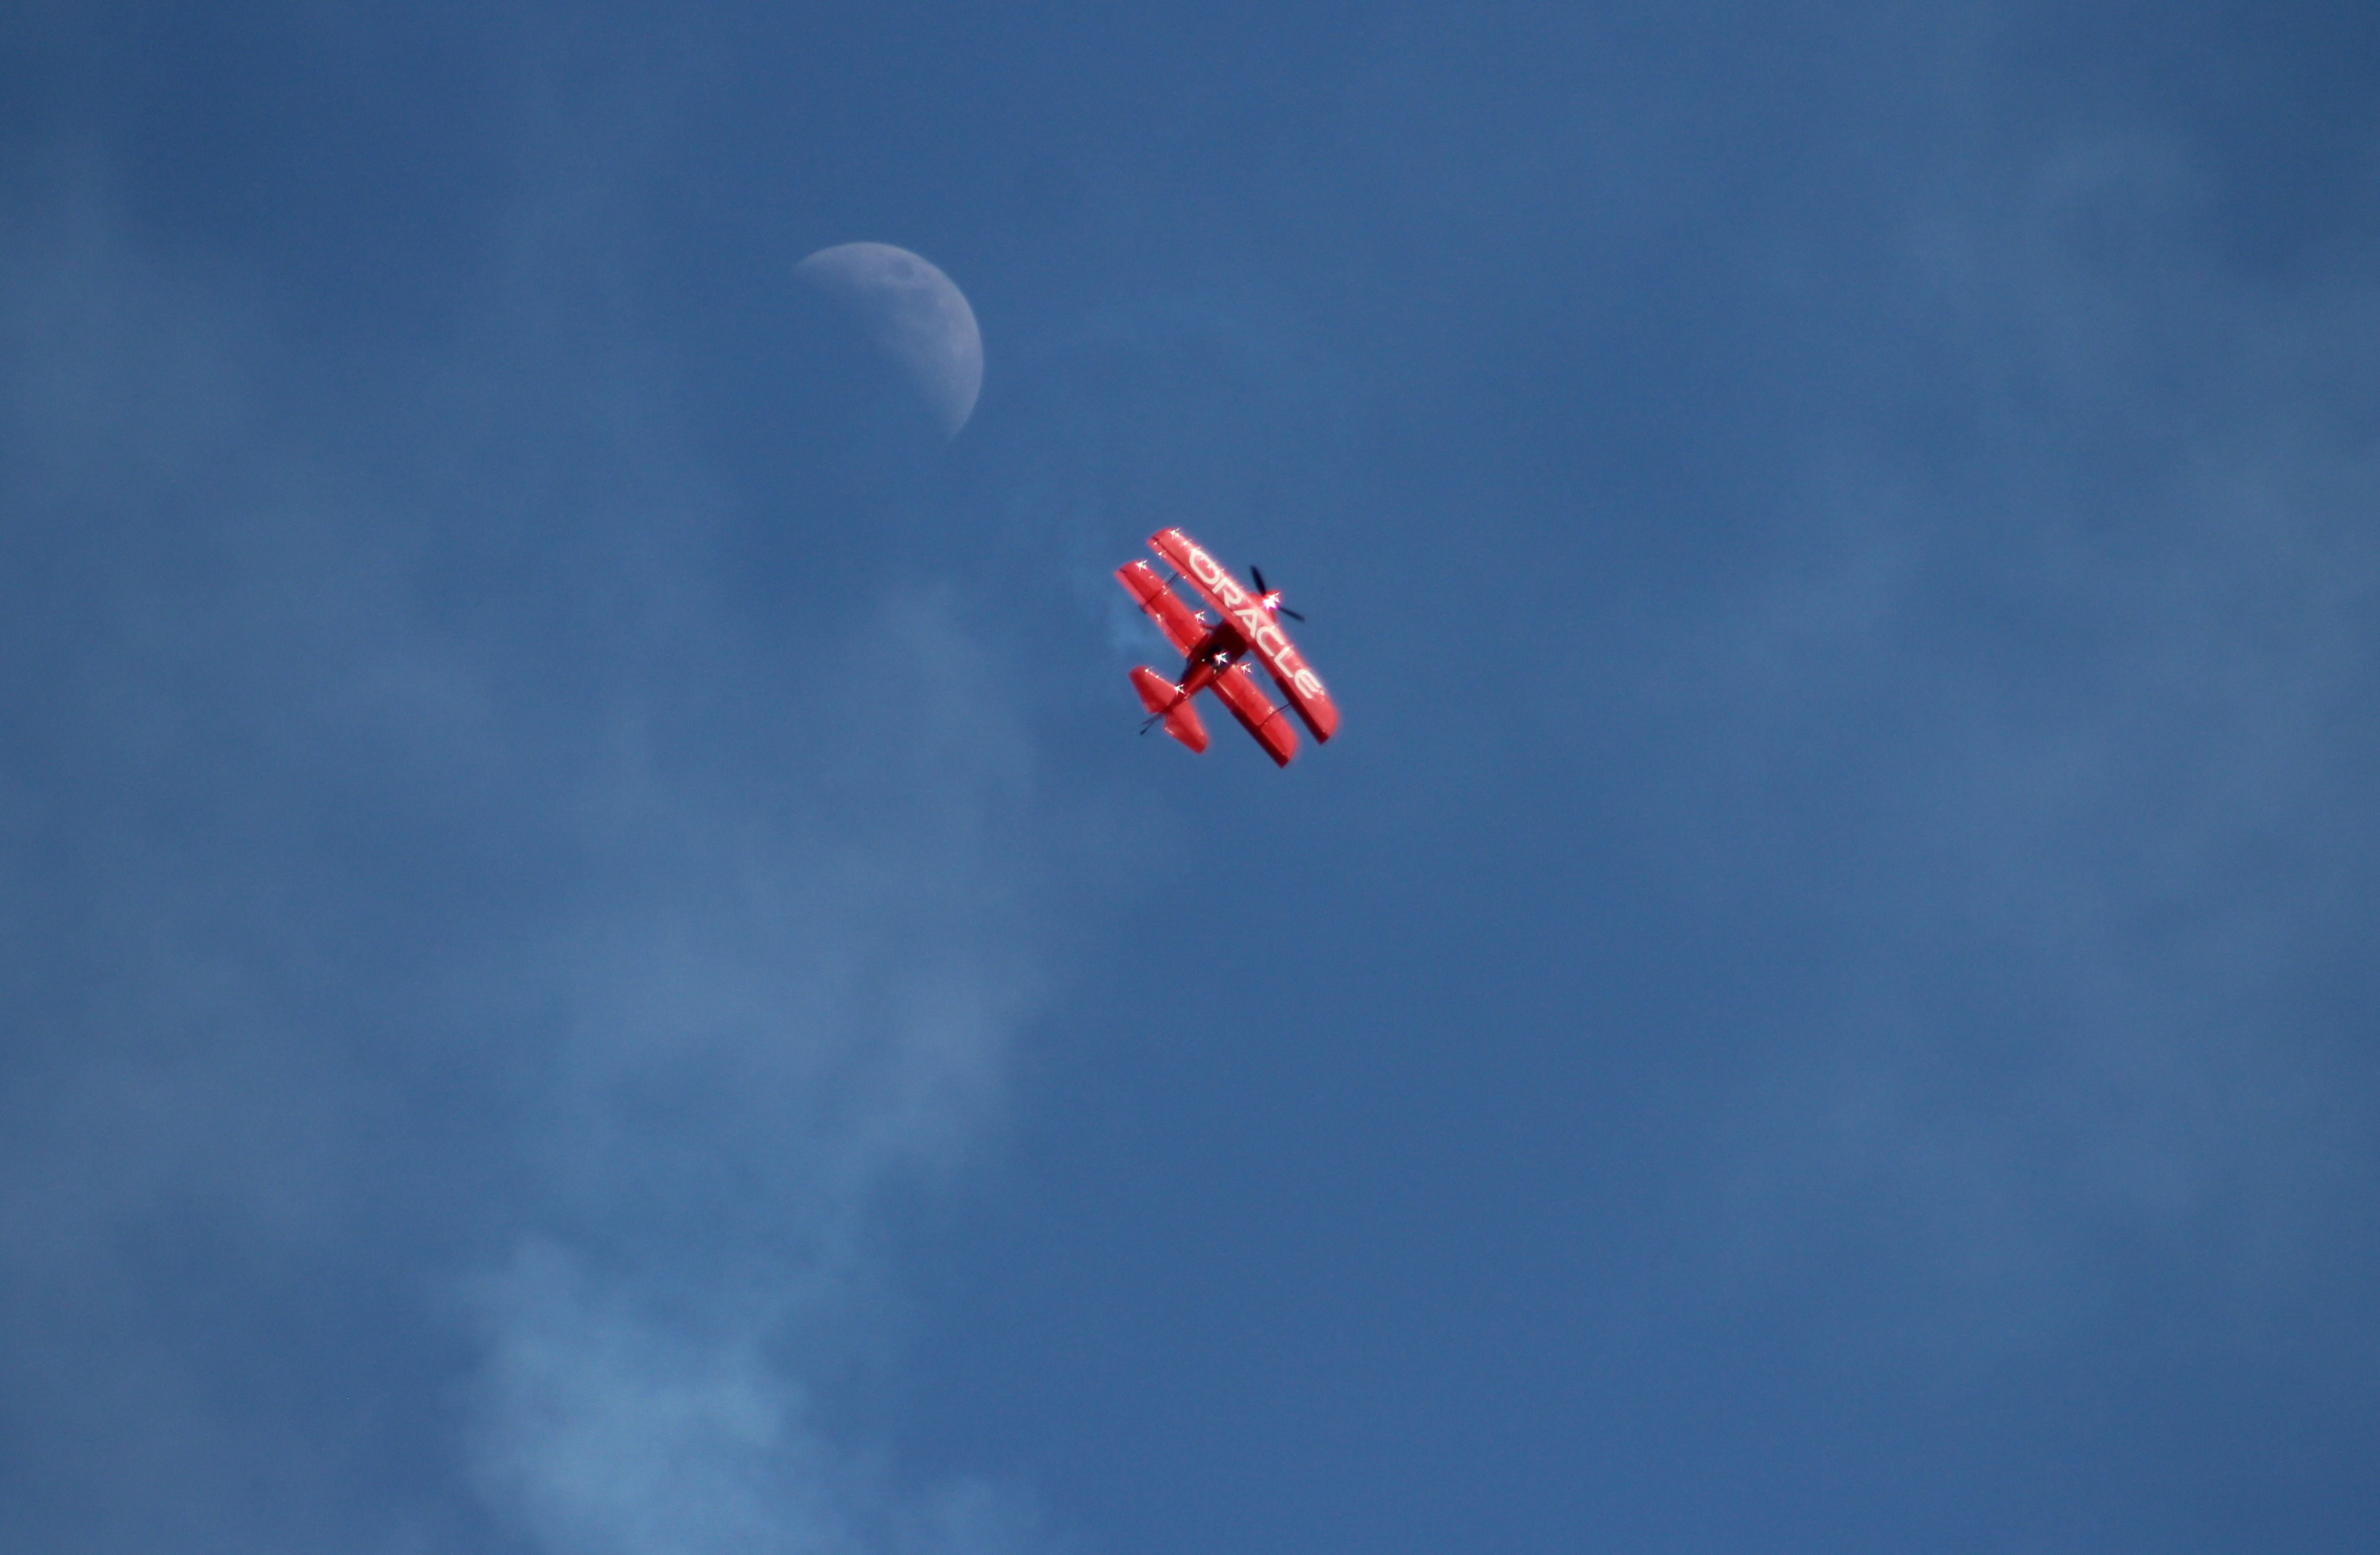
x,y
591,963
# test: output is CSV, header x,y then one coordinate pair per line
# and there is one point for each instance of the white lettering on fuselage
x,y
1255,625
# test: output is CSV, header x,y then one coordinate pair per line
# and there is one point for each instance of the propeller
x,y
1271,596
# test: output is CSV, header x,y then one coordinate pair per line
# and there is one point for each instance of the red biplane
x,y
1216,652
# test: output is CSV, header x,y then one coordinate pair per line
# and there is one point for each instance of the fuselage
x,y
1214,653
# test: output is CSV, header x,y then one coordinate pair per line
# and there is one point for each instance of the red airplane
x,y
1216,652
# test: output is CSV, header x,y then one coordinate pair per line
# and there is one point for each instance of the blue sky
x,y
593,966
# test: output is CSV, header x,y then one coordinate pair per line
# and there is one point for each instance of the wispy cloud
x,y
608,1429
471,1020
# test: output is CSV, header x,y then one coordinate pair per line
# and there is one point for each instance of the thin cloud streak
x,y
382,958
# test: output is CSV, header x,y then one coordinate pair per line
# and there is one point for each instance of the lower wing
x,y
1182,628
1237,688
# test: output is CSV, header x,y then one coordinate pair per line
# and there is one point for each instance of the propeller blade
x,y
1271,602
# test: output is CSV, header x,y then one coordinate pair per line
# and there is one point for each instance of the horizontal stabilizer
x,y
1163,698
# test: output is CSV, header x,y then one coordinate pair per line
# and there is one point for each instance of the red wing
x,y
1210,577
1182,628
1237,688
1245,610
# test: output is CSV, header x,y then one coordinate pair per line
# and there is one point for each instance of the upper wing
x,y
1182,628
1244,609
1237,686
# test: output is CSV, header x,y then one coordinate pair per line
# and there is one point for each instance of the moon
x,y
914,314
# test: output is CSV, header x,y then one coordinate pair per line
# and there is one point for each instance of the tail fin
x,y
1164,700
